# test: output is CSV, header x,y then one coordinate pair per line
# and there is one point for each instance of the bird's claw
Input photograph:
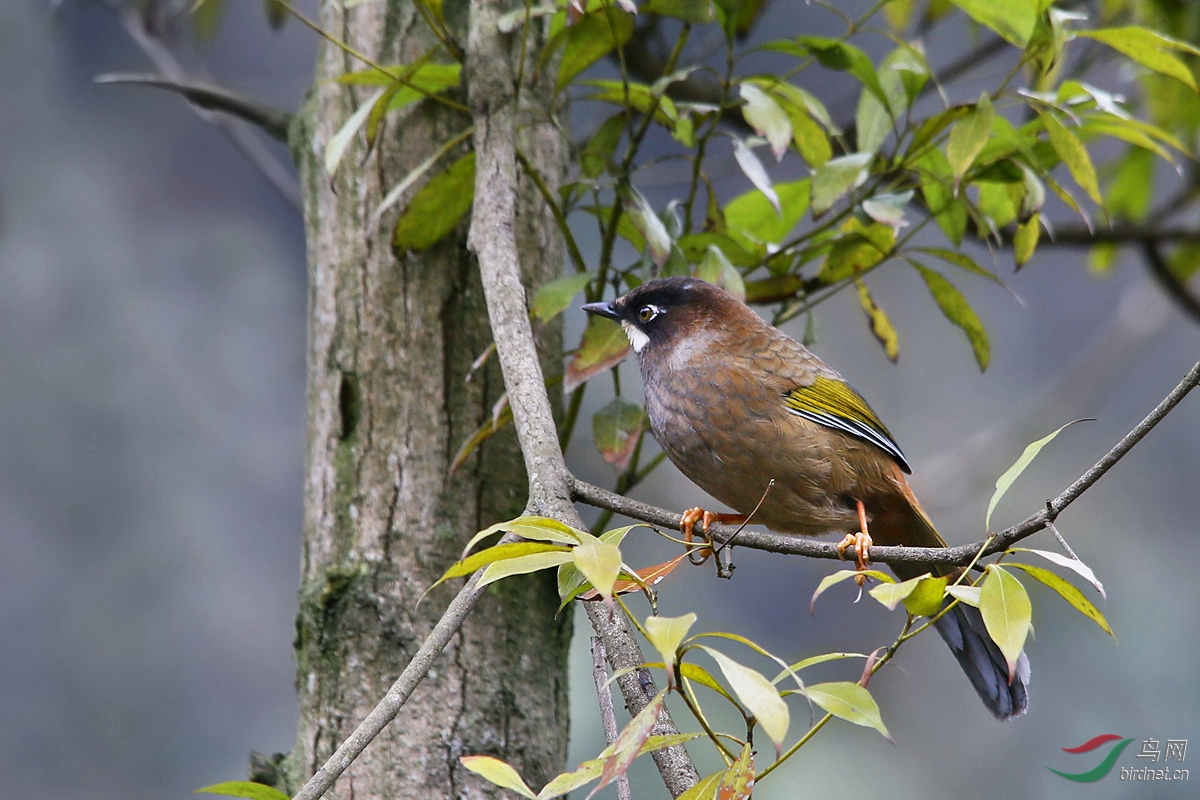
x,y
861,542
706,519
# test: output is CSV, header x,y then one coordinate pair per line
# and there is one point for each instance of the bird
x,y
758,421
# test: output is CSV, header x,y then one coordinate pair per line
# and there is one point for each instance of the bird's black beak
x,y
603,310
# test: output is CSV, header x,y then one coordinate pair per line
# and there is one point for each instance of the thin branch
x,y
1169,281
607,717
1073,236
211,97
963,554
278,175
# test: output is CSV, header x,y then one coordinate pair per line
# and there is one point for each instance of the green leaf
x,y
1025,240
590,39
616,430
553,298
842,575
1132,188
1149,48
571,582
928,130
247,789
336,147
541,529
600,563
965,594
890,595
958,311
498,772
629,743
766,117
1067,592
695,247
665,634
937,187
997,205
811,140
859,247
812,661
206,17
501,552
757,694
648,224
591,769
716,269
960,260
1073,154
837,177
698,674
753,169
522,565
1013,20
1074,564
848,701
881,325
512,20
738,781
596,155
968,137
584,774
874,120
1035,194
926,599
644,99
437,208
1118,129
752,220
604,344
705,788
843,57
1012,473
1006,611
888,209
693,11
427,79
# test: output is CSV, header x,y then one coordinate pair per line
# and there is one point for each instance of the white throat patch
x,y
637,338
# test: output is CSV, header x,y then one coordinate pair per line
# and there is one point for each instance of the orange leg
x,y
706,519
861,542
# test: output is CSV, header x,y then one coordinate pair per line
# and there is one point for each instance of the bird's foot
x,y
706,518
861,541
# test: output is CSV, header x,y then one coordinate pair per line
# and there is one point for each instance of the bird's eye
x,y
647,313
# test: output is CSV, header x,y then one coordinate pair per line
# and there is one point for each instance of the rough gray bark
x,y
390,341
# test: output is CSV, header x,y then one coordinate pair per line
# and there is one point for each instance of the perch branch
x,y
963,554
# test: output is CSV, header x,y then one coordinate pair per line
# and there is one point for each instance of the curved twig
x,y
1169,281
210,97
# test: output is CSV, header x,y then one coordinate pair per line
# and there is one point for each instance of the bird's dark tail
x,y
961,628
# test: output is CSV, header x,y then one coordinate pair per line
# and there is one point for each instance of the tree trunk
x,y
391,339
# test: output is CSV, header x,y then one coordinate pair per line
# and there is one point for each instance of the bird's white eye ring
x,y
647,313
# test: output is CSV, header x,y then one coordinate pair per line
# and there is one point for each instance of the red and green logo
x,y
1104,767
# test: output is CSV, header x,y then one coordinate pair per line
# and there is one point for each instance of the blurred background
x,y
152,334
